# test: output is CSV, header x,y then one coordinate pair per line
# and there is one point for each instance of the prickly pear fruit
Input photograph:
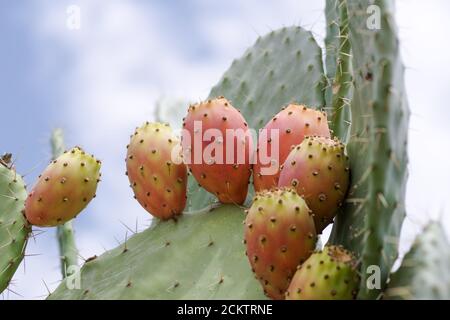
x,y
156,171
329,274
64,189
292,124
279,235
318,168
217,146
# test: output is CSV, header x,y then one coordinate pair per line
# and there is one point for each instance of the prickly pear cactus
x,y
364,72
374,211
14,228
423,273
282,67
200,256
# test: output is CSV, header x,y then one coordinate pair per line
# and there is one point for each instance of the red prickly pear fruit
x,y
156,171
330,274
279,235
290,125
319,170
217,145
64,189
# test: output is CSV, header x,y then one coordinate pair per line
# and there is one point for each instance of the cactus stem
x,y
65,233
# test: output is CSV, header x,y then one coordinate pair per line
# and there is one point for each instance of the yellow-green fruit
x,y
64,189
329,274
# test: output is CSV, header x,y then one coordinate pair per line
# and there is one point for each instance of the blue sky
x,y
101,81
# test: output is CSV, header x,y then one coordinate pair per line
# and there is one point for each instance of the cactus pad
x,y
339,88
423,273
14,228
201,256
374,211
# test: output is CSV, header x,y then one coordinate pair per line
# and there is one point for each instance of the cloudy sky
x,y
102,80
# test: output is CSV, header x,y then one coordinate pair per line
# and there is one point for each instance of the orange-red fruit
x,y
279,235
64,189
156,171
217,146
319,170
293,123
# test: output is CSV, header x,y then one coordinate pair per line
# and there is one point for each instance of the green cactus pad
x,y
14,228
171,111
331,43
339,88
282,67
374,211
423,273
201,256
